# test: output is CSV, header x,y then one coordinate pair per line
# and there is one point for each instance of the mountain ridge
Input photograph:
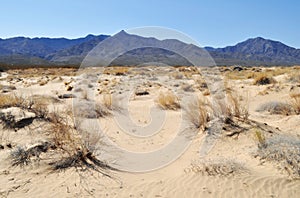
x,y
64,51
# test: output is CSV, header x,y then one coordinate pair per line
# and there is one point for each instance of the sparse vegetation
x,y
13,100
118,71
168,100
235,107
275,107
264,79
295,102
260,138
75,152
219,167
22,156
284,150
197,113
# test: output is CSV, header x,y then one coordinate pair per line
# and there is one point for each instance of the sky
x,y
215,23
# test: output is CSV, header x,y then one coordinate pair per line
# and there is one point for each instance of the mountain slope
x,y
76,53
256,51
62,51
39,47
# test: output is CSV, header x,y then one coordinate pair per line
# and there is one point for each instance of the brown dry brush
x,y
295,102
74,150
66,139
197,112
168,101
284,150
26,103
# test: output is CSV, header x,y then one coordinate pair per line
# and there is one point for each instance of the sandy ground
x,y
174,167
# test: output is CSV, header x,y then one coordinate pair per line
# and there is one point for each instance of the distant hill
x,y
76,53
62,51
256,51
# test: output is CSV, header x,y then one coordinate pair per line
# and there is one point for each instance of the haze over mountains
x,y
62,51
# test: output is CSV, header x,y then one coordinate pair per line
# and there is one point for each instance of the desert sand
x,y
216,158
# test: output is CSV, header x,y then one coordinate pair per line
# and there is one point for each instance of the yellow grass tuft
x,y
118,71
13,100
295,102
198,113
168,100
260,138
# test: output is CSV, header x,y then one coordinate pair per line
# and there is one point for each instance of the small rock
x,y
141,92
238,68
15,117
69,88
8,88
66,96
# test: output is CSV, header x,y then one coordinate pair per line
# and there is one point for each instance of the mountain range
x,y
62,52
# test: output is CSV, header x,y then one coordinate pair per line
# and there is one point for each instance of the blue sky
x,y
214,23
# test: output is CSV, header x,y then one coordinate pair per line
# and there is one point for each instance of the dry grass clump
x,y
294,77
168,100
22,156
264,79
111,102
39,110
107,101
284,150
32,104
231,111
66,141
75,151
197,113
235,106
177,75
117,71
13,100
41,72
275,107
232,107
255,72
219,167
91,110
295,102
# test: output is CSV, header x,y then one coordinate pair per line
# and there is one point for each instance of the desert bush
x,y
232,107
197,113
37,109
235,106
13,100
219,167
76,151
284,150
275,107
114,70
294,77
263,79
295,102
22,156
88,109
260,138
168,100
